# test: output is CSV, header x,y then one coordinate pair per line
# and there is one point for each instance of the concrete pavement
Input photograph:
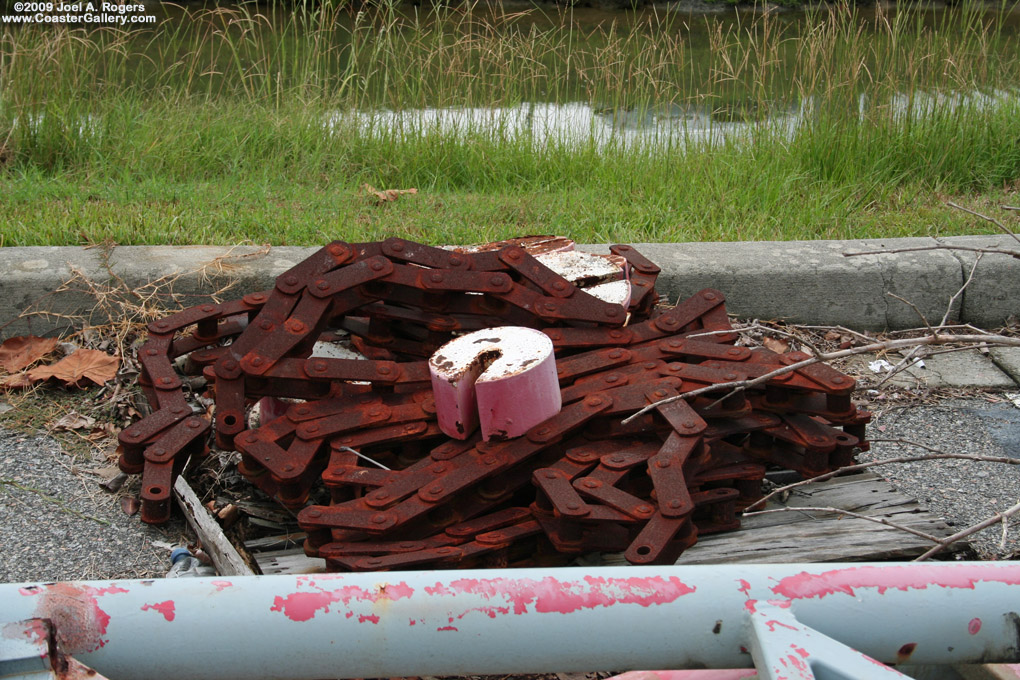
x,y
800,281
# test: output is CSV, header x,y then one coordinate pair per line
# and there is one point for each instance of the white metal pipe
x,y
520,621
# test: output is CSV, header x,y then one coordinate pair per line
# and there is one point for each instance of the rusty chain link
x,y
581,481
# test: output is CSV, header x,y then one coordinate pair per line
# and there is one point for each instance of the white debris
x,y
880,366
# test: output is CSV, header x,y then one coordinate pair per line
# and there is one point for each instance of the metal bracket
x,y
783,648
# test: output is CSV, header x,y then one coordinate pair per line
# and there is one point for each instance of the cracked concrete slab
x,y
1008,361
970,368
814,281
965,369
994,293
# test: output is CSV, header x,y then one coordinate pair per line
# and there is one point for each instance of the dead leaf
x,y
386,195
832,336
18,381
23,351
99,367
129,504
72,421
114,483
101,432
776,345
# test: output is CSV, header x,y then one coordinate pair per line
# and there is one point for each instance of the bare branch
x,y
840,329
939,455
903,364
905,301
738,386
998,517
949,307
986,218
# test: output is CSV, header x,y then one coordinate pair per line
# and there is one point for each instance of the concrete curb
x,y
809,282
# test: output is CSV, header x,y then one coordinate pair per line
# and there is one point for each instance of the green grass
x,y
214,129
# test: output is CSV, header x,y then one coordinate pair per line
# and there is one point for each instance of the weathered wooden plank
x,y
277,542
227,560
826,537
824,540
292,561
773,538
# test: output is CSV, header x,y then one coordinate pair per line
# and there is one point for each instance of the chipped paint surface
x,y
974,626
915,577
580,267
164,608
517,348
772,623
550,595
78,620
222,585
305,605
614,292
503,379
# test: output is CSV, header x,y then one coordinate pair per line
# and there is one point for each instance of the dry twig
x,y
1002,227
737,386
969,531
847,469
848,513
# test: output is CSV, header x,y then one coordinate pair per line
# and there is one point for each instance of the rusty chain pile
x,y
402,493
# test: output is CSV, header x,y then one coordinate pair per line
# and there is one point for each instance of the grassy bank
x,y
223,126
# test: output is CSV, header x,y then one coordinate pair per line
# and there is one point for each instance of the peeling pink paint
x,y
164,608
713,674
800,665
745,587
413,622
772,623
448,628
550,595
800,650
303,606
808,585
32,629
974,627
751,606
222,585
373,618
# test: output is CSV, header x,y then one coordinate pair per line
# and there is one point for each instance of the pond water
x,y
586,75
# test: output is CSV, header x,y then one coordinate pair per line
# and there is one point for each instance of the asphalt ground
x,y
57,524
963,492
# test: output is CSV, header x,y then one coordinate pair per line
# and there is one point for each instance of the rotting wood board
x,y
827,537
226,559
775,538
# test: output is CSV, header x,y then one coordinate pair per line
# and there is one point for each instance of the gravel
x,y
57,524
961,491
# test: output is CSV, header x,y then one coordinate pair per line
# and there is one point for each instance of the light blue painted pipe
x,y
521,621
